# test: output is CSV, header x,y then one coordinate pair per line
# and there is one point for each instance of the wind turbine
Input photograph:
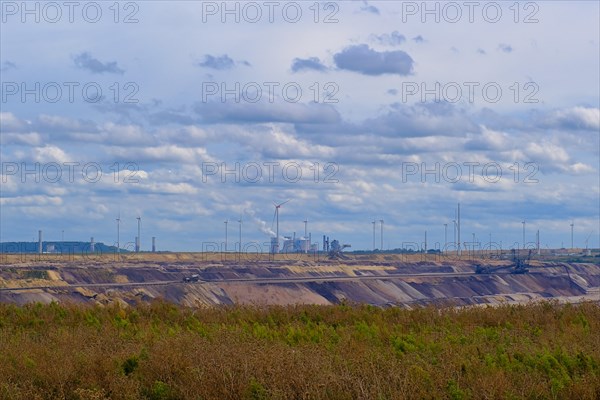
x,y
226,221
523,222
586,241
445,236
381,234
118,232
306,234
459,252
139,239
454,225
277,206
374,222
572,224
240,221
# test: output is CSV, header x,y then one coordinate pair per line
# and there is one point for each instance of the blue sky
x,y
356,111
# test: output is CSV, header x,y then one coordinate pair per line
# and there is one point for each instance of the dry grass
x,y
162,351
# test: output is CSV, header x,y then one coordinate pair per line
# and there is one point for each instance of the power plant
x,y
291,243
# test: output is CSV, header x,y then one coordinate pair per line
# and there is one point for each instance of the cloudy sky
x,y
192,113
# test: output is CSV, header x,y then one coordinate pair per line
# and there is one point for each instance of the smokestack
x,y
92,245
40,242
324,246
153,244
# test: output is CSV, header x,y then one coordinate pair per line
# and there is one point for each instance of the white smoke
x,y
262,225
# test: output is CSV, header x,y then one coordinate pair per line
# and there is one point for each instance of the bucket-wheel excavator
x,y
335,252
519,265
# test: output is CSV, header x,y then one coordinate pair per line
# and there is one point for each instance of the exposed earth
x,y
382,280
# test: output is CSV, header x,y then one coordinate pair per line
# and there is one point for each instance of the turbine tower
x,y
445,236
118,233
572,224
523,222
381,234
240,222
454,232
587,252
139,239
458,231
226,221
306,234
373,234
277,206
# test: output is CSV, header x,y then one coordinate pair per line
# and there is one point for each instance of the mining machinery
x,y
335,252
519,265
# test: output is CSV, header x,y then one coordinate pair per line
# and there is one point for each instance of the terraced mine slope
x,y
378,281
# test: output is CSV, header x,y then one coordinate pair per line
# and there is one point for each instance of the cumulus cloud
x,y
124,135
10,123
189,135
219,63
550,156
488,139
429,119
23,139
506,48
390,39
62,126
164,153
28,201
180,188
306,64
87,62
50,153
580,168
279,144
362,59
577,118
369,8
264,111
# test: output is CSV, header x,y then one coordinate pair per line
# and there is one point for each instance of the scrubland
x,y
164,351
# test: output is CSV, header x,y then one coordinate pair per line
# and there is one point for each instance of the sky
x,y
192,113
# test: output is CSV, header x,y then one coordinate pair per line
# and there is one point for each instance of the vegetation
x,y
163,351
